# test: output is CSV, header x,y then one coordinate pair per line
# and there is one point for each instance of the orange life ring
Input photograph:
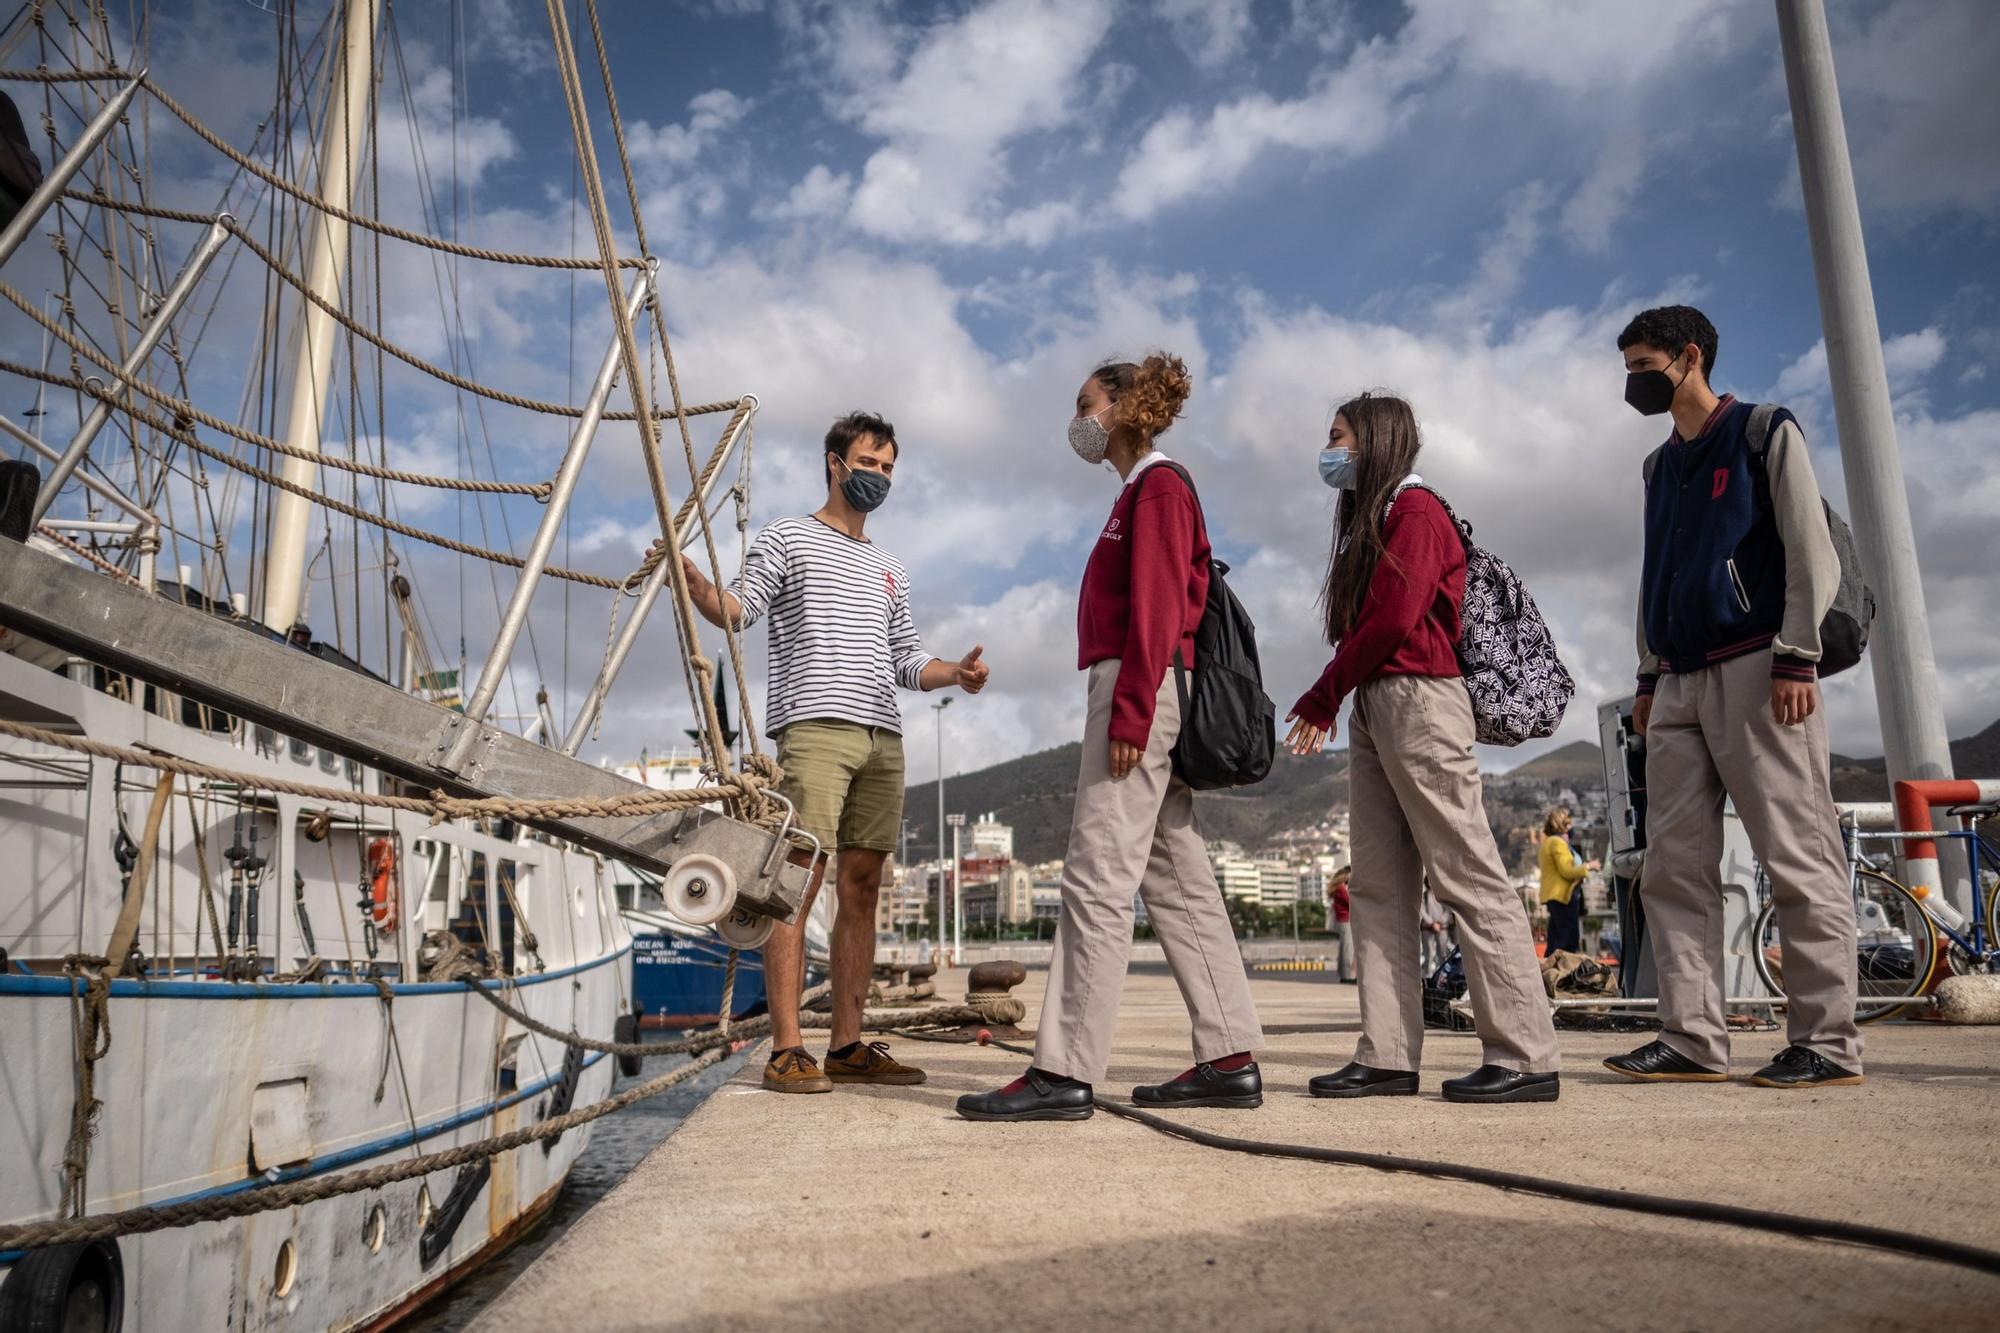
x,y
386,898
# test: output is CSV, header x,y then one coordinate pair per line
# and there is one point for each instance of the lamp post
x,y
938,708
957,822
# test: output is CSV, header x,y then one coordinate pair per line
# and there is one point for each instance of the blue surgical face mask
x,y
1337,468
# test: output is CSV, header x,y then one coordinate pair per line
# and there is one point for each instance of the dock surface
x,y
880,1208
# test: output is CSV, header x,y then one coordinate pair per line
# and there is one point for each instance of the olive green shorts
x,y
847,782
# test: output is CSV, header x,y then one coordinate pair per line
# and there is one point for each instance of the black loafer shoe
x,y
1038,1097
1797,1067
1358,1080
1205,1085
1657,1062
1491,1083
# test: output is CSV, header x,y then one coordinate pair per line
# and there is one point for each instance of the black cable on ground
x,y
1656,1205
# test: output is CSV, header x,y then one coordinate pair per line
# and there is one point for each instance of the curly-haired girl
x,y
1133,828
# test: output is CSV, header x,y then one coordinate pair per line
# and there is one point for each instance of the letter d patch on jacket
x,y
1721,483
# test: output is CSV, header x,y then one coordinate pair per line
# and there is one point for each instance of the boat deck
x,y
880,1208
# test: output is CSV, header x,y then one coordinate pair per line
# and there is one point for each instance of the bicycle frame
x,y
1982,944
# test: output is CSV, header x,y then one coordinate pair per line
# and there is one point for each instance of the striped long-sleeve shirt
x,y
841,640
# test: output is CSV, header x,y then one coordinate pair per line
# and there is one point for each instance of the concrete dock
x,y
880,1208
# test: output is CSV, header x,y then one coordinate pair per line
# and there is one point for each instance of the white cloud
x,y
1916,81
1605,195
820,194
673,147
1212,32
1502,261
1348,112
971,87
1908,359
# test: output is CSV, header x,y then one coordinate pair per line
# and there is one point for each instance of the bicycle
x,y
1901,941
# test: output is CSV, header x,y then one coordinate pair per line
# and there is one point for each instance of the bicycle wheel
x,y
1896,948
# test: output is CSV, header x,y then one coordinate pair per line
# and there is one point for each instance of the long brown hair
x,y
1386,445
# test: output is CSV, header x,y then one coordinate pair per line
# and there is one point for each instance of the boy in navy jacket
x,y
1739,571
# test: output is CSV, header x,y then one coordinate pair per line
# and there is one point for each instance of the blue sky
x,y
948,213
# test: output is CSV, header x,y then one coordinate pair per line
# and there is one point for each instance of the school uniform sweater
x,y
1735,562
1144,588
1409,621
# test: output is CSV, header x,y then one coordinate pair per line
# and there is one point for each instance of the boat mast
x,y
312,366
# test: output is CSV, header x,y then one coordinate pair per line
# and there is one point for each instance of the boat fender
x,y
62,1287
626,1030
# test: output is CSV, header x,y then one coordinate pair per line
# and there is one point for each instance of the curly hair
x,y
1149,393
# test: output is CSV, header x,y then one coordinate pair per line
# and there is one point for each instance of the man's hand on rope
x,y
707,598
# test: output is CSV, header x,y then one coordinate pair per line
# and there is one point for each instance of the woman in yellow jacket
x,y
1562,873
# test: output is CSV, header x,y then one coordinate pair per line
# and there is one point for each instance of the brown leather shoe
x,y
793,1070
871,1063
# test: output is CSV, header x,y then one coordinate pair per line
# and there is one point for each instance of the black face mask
x,y
1651,392
864,490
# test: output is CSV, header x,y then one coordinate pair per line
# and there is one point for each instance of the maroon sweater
x,y
1409,621
1143,594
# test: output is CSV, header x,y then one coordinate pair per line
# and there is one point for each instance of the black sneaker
x,y
1205,1085
1797,1067
1657,1062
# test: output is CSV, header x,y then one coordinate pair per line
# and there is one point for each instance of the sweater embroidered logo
x,y
1519,686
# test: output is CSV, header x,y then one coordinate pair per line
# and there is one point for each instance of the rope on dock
x,y
1631,1201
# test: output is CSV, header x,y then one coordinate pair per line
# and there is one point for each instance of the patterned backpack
x,y
1519,686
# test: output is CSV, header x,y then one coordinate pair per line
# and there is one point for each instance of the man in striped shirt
x,y
841,643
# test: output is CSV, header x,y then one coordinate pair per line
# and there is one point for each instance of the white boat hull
x,y
214,1088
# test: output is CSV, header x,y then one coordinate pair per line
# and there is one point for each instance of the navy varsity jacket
x,y
1713,584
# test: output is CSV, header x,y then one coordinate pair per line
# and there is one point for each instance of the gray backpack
x,y
1843,632
1519,686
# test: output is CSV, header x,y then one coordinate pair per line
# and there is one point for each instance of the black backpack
x,y
1843,631
1229,726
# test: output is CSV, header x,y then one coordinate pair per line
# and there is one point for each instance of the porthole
x,y
377,1229
287,1274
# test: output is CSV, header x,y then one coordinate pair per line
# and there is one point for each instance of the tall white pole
x,y
938,708
957,892
1906,688
341,143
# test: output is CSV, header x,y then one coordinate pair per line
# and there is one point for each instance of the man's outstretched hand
x,y
969,672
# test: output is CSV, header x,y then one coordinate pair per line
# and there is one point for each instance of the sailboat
x,y
277,897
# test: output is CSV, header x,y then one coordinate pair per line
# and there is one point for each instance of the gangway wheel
x,y
745,929
700,889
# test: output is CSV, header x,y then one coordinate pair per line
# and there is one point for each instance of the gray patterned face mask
x,y
1089,438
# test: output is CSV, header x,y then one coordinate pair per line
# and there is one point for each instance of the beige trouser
x,y
1138,833
1711,735
1415,803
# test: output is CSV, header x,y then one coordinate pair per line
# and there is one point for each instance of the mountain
x,y
1036,793
1577,762
1975,756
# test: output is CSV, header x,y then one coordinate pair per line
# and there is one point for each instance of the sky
x,y
949,213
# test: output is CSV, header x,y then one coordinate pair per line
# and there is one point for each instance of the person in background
x,y
1435,919
1144,590
841,645
1394,586
1739,571
1562,883
1339,908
